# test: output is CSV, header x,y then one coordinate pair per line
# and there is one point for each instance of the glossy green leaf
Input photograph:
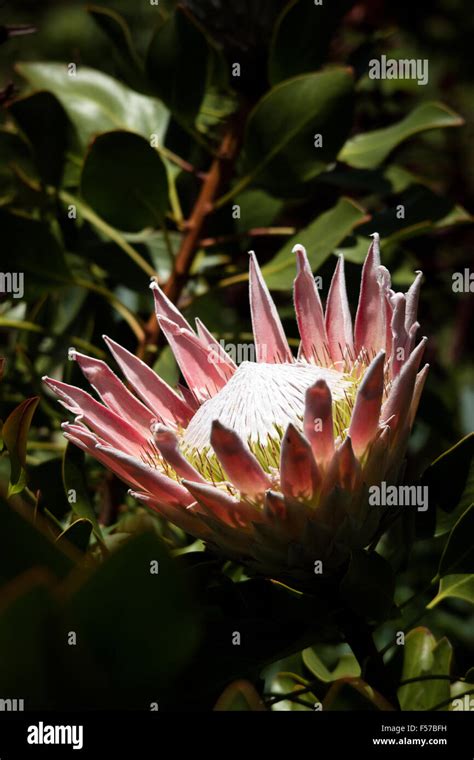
x,y
95,102
75,486
15,437
124,180
43,120
455,586
239,696
37,253
118,32
320,238
458,554
368,585
45,477
368,150
302,36
346,667
177,64
279,145
290,683
78,534
423,656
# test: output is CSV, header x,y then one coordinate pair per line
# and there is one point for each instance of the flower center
x,y
260,400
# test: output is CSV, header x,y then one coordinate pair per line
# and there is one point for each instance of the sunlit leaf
x,y
15,437
95,102
368,150
455,586
281,150
320,238
424,656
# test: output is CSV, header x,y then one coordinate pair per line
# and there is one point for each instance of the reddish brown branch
x,y
213,182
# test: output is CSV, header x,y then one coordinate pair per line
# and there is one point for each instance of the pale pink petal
x,y
220,505
349,468
227,365
419,385
166,308
189,398
399,334
150,479
113,392
270,340
375,465
411,338
412,298
299,473
185,518
168,446
369,329
196,361
162,400
385,287
396,408
241,466
309,312
89,443
338,317
366,412
103,421
318,422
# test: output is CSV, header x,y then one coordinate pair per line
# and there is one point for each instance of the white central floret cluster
x,y
260,400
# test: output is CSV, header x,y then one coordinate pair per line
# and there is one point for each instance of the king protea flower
x,y
268,462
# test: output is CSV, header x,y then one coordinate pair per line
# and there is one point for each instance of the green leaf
x,y
45,477
279,145
37,253
177,64
31,547
257,209
117,30
368,585
43,120
76,488
124,180
455,586
291,683
15,159
320,238
78,534
423,656
239,696
138,625
346,667
15,437
302,36
458,554
368,150
95,102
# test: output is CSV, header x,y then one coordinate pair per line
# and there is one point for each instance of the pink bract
x,y
268,462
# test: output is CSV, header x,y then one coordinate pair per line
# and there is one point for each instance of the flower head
x,y
268,462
